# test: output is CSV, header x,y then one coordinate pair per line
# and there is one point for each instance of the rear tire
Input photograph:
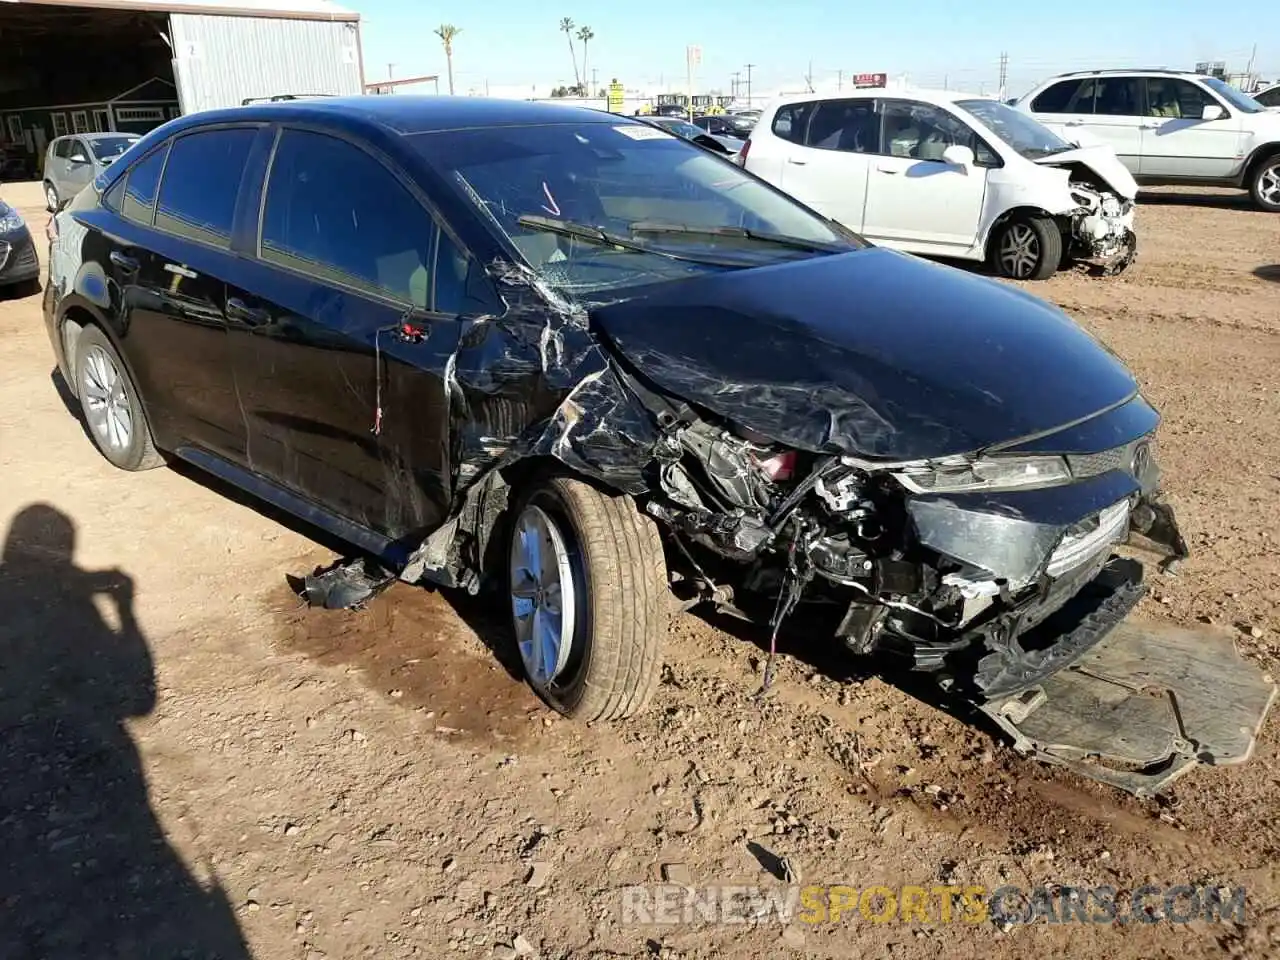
x,y
111,406
1026,247
587,581
1264,184
50,197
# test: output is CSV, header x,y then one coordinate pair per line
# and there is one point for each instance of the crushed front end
x,y
955,566
1101,228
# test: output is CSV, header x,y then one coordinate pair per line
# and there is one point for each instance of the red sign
x,y
870,79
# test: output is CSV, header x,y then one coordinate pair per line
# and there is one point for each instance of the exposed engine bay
x,y
1101,230
944,588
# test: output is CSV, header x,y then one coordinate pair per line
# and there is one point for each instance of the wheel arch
x,y
1022,210
1259,155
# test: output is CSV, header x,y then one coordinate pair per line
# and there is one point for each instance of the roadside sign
x,y
615,97
870,79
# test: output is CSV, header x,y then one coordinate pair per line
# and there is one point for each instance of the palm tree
x,y
446,32
567,26
585,35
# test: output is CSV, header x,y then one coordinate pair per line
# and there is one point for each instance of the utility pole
x,y
595,84
1004,74
736,75
391,71
839,80
749,66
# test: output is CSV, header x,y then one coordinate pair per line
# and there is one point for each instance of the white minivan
x,y
949,174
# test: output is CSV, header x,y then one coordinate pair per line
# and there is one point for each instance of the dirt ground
x,y
192,766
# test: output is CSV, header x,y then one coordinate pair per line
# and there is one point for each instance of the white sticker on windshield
x,y
642,131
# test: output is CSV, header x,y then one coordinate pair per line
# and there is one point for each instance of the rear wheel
x,y
50,197
112,409
1264,187
588,598
1026,248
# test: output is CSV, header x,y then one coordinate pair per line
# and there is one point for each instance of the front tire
x,y
50,197
1026,248
587,581
1264,185
112,410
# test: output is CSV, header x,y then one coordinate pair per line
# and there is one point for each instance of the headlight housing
x,y
10,220
986,473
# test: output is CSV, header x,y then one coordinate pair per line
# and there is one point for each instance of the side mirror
x,y
1212,111
958,156
78,158
708,142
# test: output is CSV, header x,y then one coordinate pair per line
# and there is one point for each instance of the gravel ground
x,y
192,766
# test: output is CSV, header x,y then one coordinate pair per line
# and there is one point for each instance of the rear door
x,y
1176,139
171,260
914,197
825,163
343,407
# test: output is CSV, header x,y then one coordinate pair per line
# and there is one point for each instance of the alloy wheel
x,y
51,197
544,596
106,404
1269,184
1019,251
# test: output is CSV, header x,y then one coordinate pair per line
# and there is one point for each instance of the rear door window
x,y
1118,96
851,126
336,213
201,183
139,199
792,121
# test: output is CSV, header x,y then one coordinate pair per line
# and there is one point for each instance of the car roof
x,y
1117,71
897,91
96,136
406,114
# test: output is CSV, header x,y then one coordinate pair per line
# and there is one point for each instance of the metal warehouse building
x,y
97,65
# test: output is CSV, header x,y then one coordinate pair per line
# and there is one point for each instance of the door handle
x,y
1074,123
180,270
124,262
798,163
884,169
237,309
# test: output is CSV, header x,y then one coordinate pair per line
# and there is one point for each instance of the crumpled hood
x,y
1102,160
872,353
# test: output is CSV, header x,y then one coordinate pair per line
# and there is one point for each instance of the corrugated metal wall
x,y
220,60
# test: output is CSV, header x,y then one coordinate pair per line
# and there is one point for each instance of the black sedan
x,y
556,353
725,125
19,266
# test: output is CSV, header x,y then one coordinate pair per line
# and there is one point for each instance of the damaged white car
x,y
951,175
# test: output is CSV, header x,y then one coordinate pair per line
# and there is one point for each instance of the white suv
x,y
1169,127
948,174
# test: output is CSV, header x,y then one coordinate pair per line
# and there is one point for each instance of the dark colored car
x,y
725,125
670,110
19,265
725,146
536,346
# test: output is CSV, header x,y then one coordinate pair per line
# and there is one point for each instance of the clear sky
x,y
509,42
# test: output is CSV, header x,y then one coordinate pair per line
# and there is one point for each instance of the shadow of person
x,y
85,870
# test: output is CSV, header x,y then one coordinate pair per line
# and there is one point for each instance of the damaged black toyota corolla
x,y
578,357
